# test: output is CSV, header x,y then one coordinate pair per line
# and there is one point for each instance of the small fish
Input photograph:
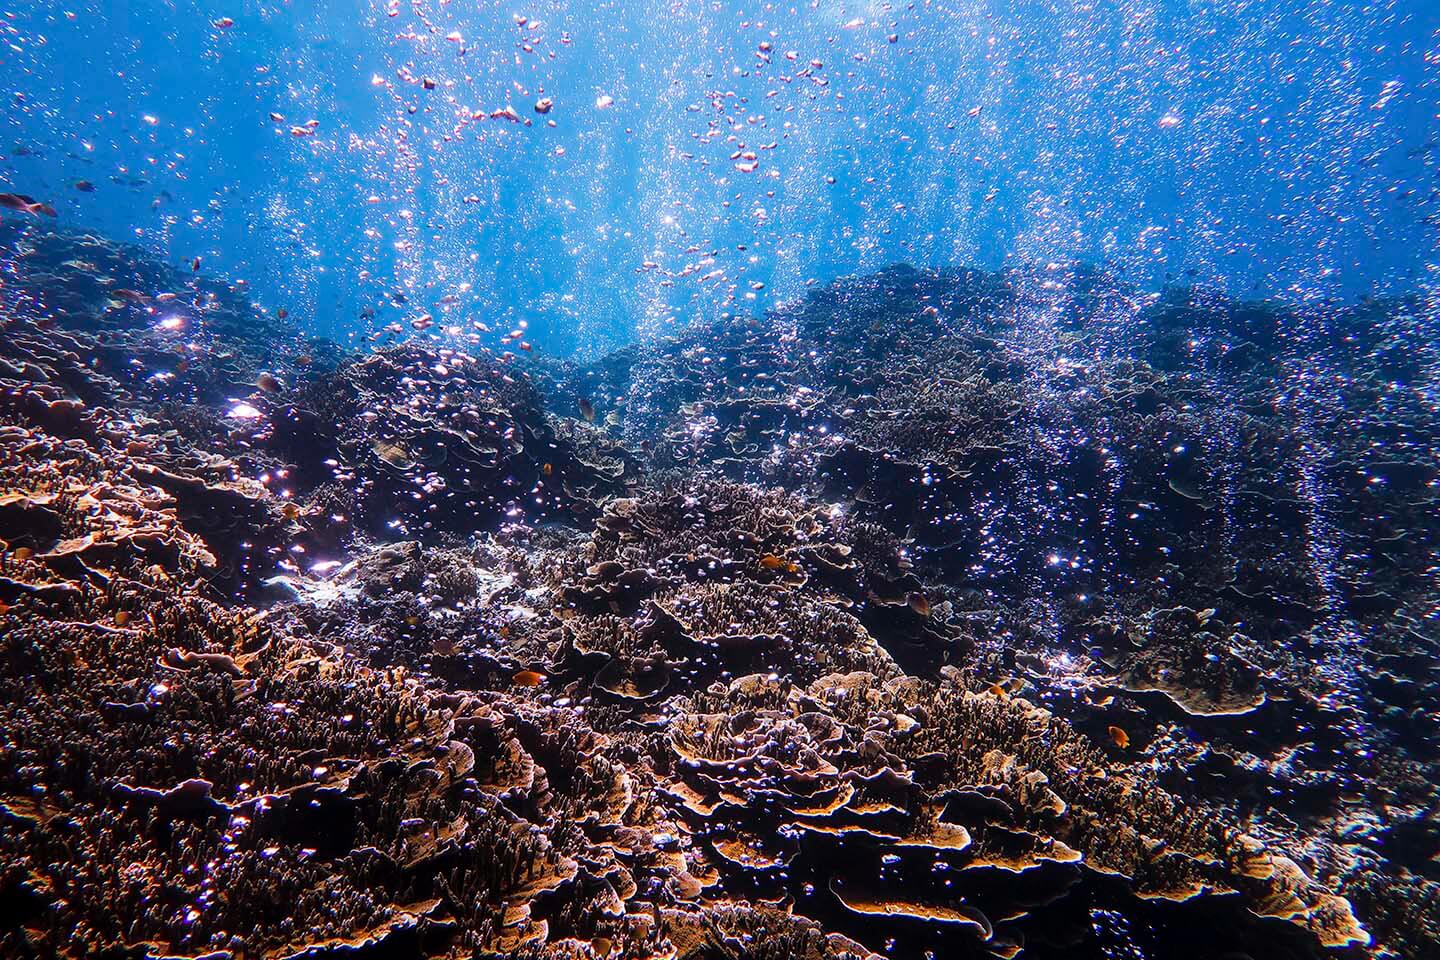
x,y
529,678
133,296
122,617
282,313
543,105
1119,737
771,562
195,265
84,186
268,382
20,203
587,410
224,23
548,469
304,359
290,511
997,690
919,604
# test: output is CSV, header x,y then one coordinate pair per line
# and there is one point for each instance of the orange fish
x,y
529,678
771,562
122,617
1119,737
20,203
919,604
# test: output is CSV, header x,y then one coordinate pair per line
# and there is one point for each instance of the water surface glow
x,y
603,170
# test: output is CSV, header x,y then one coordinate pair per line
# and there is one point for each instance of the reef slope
x,y
937,614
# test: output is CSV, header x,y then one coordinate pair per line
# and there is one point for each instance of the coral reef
x,y
937,614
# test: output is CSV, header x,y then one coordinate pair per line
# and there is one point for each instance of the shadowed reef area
x,y
938,614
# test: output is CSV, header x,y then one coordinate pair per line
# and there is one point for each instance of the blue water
x,y
1282,149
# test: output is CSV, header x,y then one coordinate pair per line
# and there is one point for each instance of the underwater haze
x,y
695,158
891,481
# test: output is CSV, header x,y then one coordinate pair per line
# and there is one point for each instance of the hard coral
x,y
932,612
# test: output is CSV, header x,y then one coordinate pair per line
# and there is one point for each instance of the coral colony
x,y
877,625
